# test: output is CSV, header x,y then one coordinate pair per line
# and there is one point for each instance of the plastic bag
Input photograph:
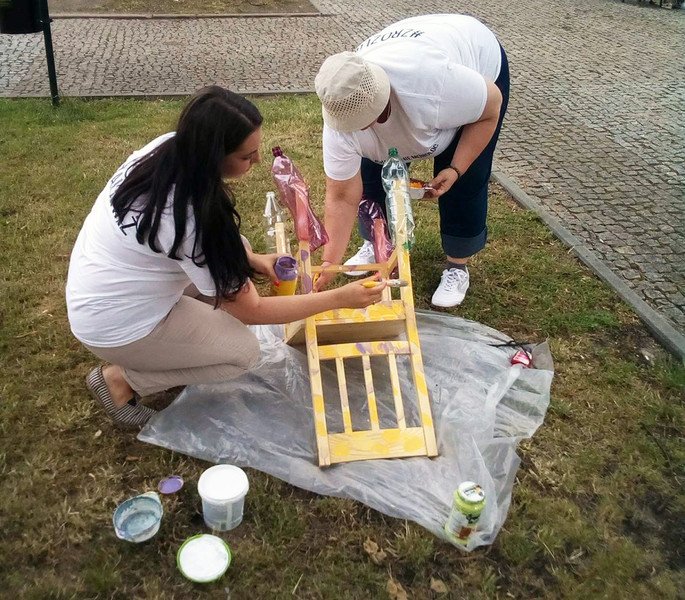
x,y
375,227
293,192
482,406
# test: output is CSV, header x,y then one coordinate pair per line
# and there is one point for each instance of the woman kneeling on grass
x,y
161,251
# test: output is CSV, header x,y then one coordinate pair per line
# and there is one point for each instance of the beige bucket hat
x,y
353,91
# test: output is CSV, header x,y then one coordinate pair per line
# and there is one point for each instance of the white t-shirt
x,y
437,66
118,290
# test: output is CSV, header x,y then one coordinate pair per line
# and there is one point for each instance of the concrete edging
x,y
662,330
159,95
161,16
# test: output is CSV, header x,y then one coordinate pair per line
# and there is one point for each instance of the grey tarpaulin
x,y
482,406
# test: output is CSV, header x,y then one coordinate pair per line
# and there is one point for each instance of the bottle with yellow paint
x,y
286,271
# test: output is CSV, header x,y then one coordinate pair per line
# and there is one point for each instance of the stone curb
x,y
161,95
662,330
153,16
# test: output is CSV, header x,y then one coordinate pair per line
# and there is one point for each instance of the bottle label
x,y
460,525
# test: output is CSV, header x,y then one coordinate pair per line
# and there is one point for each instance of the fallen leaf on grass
x,y
132,458
378,557
98,433
395,590
438,586
375,553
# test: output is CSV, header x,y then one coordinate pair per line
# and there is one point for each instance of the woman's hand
x,y
360,294
253,309
441,183
264,264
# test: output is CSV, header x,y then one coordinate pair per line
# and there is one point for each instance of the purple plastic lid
x,y
171,484
286,268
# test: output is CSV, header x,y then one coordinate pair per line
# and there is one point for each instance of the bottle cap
x,y
470,492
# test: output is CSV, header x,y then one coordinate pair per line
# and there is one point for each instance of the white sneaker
x,y
364,256
452,288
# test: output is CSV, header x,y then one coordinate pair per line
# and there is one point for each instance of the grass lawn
x,y
223,7
598,509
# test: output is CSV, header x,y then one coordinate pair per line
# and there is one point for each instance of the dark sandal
x,y
131,415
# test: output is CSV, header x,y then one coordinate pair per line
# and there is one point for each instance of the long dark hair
x,y
213,124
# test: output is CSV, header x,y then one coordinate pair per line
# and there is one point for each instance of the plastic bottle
x,y
395,169
293,192
272,214
468,503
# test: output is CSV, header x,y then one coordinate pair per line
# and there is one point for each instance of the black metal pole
x,y
47,35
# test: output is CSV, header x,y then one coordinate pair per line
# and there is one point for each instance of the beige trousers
x,y
193,344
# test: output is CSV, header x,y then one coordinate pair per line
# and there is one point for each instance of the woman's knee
x,y
240,357
249,352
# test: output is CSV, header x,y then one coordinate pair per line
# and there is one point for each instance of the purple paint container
x,y
286,271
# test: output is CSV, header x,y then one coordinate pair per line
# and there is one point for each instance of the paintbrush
x,y
396,283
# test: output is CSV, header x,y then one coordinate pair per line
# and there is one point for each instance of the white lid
x,y
203,558
223,483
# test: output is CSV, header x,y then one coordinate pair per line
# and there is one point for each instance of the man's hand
x,y
321,280
340,213
441,183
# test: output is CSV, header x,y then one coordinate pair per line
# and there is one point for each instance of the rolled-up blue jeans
x,y
464,207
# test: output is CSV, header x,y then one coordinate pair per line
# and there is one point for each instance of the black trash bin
x,y
20,16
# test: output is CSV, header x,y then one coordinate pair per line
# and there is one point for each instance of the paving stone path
x,y
596,125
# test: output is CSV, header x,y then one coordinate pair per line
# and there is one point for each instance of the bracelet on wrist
x,y
457,171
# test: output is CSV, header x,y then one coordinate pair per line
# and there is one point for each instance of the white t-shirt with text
x,y
117,289
437,66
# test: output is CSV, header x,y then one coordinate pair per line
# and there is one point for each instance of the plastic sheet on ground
x,y
482,406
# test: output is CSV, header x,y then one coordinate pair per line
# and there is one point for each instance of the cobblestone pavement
x,y
595,131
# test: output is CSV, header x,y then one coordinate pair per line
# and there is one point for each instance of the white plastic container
x,y
203,558
223,489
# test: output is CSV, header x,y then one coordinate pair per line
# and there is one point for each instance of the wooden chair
x,y
386,329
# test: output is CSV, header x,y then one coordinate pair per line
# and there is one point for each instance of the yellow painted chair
x,y
386,329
